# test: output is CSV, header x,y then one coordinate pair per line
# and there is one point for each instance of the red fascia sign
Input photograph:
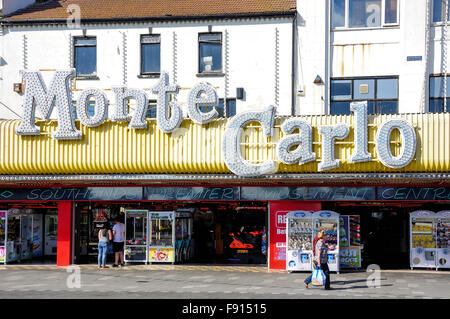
x,y
277,228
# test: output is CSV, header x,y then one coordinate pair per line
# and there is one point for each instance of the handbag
x,y
318,277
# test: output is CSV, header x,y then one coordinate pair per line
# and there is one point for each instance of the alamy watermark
x,y
374,279
74,279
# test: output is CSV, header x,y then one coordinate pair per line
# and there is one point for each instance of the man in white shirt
x,y
118,242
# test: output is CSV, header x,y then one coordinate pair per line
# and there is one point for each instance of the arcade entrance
x,y
207,232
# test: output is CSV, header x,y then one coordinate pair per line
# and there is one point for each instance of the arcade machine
x,y
19,235
443,239
99,218
350,242
299,240
329,221
423,239
162,237
183,235
136,236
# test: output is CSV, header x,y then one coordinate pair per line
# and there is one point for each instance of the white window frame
x,y
383,16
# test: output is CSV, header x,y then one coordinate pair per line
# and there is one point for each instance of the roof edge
x,y
292,13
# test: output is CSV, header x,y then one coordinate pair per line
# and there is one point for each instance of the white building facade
x,y
251,66
304,60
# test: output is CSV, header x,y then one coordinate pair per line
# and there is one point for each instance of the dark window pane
x,y
437,13
220,109
437,86
436,106
338,13
91,108
210,57
364,13
340,108
74,110
341,89
387,88
390,12
151,58
371,107
387,107
151,111
231,107
364,89
204,108
86,60
438,10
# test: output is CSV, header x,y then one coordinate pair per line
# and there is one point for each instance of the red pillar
x,y
277,228
64,250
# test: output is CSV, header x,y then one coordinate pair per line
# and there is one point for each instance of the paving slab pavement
x,y
212,282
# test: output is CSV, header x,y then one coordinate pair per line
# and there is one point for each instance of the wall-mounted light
x,y
318,80
18,87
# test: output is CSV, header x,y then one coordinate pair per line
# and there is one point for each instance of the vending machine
x,y
18,239
136,249
443,239
329,221
162,237
350,242
299,240
423,239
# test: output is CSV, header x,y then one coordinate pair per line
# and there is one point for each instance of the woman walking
x,y
104,236
316,239
322,258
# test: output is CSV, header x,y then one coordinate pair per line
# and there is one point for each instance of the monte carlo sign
x,y
292,149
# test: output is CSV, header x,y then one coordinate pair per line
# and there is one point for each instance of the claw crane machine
x,y
299,240
423,239
136,236
162,237
329,221
443,239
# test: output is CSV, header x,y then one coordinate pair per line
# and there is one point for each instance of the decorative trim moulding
x,y
297,178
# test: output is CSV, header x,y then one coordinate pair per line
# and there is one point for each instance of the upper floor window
x,y
364,13
85,56
150,54
91,109
439,11
381,95
437,94
151,111
228,111
210,52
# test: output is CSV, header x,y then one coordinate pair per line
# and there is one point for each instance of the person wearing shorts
x,y
118,242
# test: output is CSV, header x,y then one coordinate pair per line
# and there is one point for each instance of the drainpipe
x,y
294,63
444,62
326,109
